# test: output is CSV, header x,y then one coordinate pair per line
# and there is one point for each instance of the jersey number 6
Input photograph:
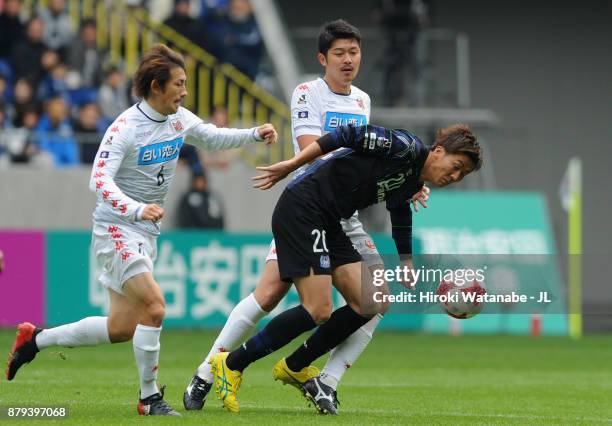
x,y
160,177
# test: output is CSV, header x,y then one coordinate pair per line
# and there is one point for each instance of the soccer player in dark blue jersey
x,y
360,166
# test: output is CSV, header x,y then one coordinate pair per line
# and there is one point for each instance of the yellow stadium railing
x,y
127,32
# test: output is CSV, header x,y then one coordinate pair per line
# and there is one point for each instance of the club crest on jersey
x,y
302,99
159,152
360,103
178,126
324,261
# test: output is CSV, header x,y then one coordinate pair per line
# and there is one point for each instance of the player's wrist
x,y
256,136
139,212
295,163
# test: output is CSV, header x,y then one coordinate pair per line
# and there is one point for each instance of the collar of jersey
x,y
336,93
150,113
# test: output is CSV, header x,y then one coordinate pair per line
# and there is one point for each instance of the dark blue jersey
x,y
363,166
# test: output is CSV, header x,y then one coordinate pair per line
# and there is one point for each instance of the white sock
x,y
330,381
89,331
146,351
238,326
344,355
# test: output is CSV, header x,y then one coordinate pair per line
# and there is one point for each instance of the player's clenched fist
x,y
152,212
267,133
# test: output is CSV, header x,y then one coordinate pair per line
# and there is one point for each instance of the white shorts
x,y
122,253
361,240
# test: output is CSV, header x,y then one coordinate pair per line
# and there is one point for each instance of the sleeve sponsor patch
x,y
104,154
302,114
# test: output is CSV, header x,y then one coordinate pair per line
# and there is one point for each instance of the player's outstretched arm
x,y
212,138
275,172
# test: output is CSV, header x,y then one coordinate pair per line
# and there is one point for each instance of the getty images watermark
x,y
517,284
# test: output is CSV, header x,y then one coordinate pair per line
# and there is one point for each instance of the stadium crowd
x,y
59,92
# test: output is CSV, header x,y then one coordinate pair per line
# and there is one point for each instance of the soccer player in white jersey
x,y
317,107
131,176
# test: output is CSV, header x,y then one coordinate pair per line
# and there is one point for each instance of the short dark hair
x,y
87,22
156,65
336,30
459,139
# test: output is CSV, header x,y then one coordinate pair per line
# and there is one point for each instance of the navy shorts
x,y
307,239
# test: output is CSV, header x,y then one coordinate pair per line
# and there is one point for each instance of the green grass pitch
x,y
400,379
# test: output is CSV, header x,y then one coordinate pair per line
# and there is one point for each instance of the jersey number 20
x,y
319,238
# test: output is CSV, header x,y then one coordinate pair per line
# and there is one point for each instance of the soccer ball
x,y
461,301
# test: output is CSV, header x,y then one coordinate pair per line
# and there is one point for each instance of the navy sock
x,y
341,324
281,330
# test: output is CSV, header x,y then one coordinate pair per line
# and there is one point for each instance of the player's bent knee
x,y
320,313
119,333
154,313
321,317
364,311
379,304
269,296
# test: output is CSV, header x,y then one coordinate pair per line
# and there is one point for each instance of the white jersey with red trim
x,y
137,158
316,110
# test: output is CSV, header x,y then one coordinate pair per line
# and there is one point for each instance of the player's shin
x,y
342,323
277,333
89,331
146,350
346,353
239,325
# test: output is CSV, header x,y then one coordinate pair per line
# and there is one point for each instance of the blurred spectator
x,y
4,92
58,28
181,22
49,60
239,38
190,156
84,57
402,22
4,155
3,119
20,141
23,99
54,84
219,159
210,10
26,56
89,129
113,96
11,28
54,134
199,207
